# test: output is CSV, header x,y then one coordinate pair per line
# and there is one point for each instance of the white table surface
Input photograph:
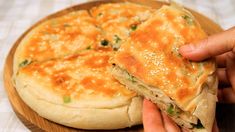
x,y
17,15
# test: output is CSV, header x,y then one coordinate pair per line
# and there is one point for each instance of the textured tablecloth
x,y
17,15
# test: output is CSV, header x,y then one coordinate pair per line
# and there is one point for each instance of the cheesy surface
x,y
151,54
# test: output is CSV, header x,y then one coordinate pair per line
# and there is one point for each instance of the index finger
x,y
214,45
152,119
169,124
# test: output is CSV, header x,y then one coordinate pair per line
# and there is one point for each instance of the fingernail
x,y
187,48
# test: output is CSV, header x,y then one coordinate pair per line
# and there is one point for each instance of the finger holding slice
x,y
212,46
152,118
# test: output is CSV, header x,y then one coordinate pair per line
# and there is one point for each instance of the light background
x,y
17,15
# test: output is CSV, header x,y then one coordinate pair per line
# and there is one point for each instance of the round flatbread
x,y
61,68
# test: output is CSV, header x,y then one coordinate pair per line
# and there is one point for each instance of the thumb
x,y
214,45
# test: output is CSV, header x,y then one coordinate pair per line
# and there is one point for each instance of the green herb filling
x,y
133,27
104,42
117,39
131,78
88,47
100,14
188,19
67,25
67,99
24,63
170,110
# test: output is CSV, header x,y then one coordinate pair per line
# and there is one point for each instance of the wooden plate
x,y
30,118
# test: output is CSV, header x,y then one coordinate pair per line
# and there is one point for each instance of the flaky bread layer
x,y
182,118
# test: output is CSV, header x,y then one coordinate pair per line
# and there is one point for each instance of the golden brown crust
x,y
80,76
151,55
82,87
58,37
118,20
65,67
82,117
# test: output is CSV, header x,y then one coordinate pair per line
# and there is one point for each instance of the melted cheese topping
x,y
61,36
151,54
118,19
79,76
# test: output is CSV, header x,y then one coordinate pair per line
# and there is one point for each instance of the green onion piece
x,y
67,25
45,32
100,14
24,63
170,109
104,42
133,27
188,19
54,23
67,99
200,74
117,39
131,78
88,47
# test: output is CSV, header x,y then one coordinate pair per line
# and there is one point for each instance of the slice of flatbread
x,y
150,64
57,37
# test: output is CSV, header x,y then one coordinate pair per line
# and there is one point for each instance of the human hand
x,y
222,47
156,121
